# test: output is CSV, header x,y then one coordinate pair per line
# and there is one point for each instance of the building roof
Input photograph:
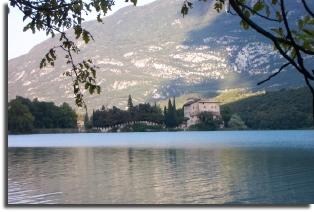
x,y
189,102
208,101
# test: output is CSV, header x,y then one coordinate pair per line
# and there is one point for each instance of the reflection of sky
x,y
104,175
209,139
21,42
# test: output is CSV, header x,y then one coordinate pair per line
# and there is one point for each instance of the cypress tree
x,y
87,124
175,116
130,103
93,118
169,106
166,116
170,115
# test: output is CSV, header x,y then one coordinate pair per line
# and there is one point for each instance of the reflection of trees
x,y
31,172
103,175
264,175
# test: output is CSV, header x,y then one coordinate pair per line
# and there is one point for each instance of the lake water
x,y
251,167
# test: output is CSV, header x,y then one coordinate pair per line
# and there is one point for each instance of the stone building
x,y
193,107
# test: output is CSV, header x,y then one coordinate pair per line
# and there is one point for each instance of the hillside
x,y
152,53
284,109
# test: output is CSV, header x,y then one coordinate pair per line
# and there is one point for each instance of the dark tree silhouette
x,y
130,103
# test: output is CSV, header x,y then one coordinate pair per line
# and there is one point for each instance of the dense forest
x,y
284,109
170,117
26,116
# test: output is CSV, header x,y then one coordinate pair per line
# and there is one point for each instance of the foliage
x,y
130,103
115,116
141,112
44,114
236,123
20,118
173,117
284,109
66,116
55,17
87,122
226,115
295,42
207,121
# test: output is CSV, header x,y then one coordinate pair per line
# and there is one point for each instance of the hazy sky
x,y
21,42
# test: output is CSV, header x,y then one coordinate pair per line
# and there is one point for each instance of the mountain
x,y
153,53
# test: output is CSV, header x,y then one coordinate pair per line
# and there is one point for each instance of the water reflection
x,y
126,175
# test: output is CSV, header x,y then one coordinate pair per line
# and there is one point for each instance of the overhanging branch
x,y
274,74
307,8
274,39
236,6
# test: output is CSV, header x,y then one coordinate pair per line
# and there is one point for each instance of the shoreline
x,y
166,131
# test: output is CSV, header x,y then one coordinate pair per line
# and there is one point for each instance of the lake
x,y
233,167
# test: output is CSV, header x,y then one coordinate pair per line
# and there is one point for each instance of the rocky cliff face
x,y
152,52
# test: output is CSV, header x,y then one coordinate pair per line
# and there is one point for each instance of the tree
x,y
38,115
55,17
207,121
130,103
236,123
175,113
226,115
180,116
67,117
294,42
87,123
169,116
165,115
20,119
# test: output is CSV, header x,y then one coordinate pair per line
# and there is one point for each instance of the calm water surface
x,y
179,167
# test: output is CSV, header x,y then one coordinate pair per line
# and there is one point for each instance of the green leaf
x,y
91,89
86,85
27,27
267,10
93,72
98,18
77,31
244,25
309,32
279,31
293,54
278,15
258,6
98,89
184,10
86,36
42,63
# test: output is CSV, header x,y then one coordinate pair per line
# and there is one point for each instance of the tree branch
x,y
274,74
307,8
235,5
258,14
294,44
274,39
